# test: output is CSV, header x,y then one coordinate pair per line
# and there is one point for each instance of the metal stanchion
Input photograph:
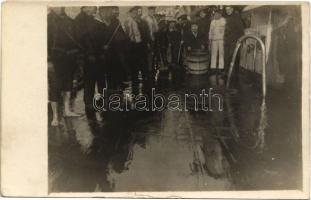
x,y
263,61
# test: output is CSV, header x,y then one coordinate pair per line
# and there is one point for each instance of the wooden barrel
x,y
197,62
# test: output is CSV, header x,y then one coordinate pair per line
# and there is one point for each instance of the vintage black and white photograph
x,y
152,98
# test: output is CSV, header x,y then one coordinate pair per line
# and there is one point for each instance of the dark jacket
x,y
120,36
174,37
87,33
61,34
194,42
102,35
184,28
204,24
144,31
234,28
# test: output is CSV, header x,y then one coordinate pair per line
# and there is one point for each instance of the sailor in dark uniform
x,y
88,28
204,22
174,41
155,35
161,45
233,31
146,45
183,26
62,50
183,23
118,44
139,37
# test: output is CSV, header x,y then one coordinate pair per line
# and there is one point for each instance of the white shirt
x,y
217,29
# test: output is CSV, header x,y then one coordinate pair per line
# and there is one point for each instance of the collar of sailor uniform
x,y
101,20
106,22
98,19
195,33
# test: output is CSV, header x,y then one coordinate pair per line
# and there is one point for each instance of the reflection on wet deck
x,y
252,144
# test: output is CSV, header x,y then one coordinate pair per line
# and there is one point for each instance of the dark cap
x,y
171,21
231,6
203,9
151,7
135,8
160,15
235,7
194,22
217,11
182,16
104,8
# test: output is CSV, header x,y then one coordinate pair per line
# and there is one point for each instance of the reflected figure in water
x,y
110,152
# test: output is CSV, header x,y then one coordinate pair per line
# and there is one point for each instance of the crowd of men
x,y
114,54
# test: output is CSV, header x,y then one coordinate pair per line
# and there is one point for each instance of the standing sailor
x,y
183,26
203,23
152,22
117,45
146,44
174,40
63,49
153,28
233,31
216,37
134,27
87,31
